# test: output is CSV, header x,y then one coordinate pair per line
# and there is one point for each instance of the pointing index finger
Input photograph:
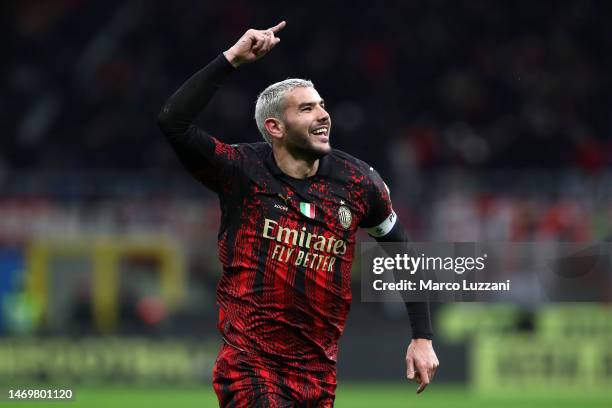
x,y
278,27
424,382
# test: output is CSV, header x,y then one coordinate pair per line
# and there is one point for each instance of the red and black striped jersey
x,y
286,246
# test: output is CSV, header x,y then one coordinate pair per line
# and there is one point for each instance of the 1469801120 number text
x,y
38,394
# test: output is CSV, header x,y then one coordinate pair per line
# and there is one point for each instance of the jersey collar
x,y
323,169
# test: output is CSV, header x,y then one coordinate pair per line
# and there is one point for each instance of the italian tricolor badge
x,y
307,209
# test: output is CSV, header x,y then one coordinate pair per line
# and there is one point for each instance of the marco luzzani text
x,y
404,263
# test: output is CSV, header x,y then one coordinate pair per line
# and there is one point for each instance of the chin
x,y
321,150
312,153
309,149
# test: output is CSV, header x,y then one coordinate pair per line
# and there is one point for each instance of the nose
x,y
323,115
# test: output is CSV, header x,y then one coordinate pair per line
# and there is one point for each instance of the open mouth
x,y
321,133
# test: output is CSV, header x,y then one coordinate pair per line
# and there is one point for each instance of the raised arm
x,y
208,159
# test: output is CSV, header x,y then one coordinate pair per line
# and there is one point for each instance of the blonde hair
x,y
271,102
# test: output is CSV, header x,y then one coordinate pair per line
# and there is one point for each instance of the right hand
x,y
253,45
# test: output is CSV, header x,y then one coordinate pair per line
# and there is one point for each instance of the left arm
x,y
421,359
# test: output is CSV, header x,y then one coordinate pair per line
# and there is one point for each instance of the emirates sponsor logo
x,y
303,248
302,238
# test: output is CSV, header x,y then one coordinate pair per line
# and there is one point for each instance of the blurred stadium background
x,y
489,121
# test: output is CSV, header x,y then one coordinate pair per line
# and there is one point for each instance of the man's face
x,y
307,123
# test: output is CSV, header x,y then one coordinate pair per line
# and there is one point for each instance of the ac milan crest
x,y
345,216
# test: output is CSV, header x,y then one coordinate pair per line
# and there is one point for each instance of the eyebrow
x,y
304,104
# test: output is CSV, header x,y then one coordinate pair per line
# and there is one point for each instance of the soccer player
x,y
290,208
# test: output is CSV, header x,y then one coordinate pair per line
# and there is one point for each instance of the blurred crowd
x,y
430,83
490,117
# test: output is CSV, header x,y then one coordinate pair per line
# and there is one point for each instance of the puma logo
x,y
281,207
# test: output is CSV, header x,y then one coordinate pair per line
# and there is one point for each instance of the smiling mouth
x,y
322,133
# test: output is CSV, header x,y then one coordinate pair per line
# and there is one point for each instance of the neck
x,y
296,167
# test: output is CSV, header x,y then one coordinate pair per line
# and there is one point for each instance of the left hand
x,y
421,362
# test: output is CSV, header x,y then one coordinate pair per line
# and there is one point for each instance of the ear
x,y
275,127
